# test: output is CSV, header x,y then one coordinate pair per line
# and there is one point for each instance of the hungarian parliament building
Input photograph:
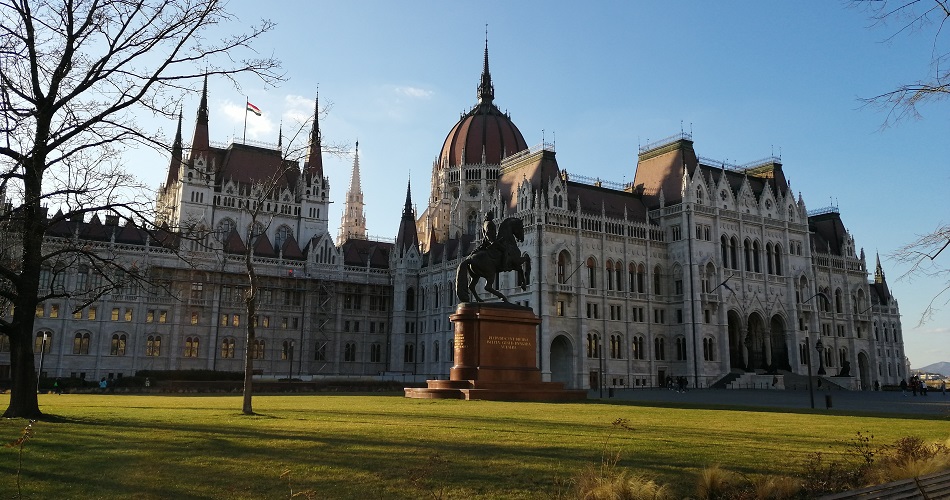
x,y
698,268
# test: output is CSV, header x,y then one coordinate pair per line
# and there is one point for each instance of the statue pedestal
x,y
496,354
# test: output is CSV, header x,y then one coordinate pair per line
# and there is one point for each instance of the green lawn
x,y
368,447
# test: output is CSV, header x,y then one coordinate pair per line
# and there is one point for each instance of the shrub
x,y
715,482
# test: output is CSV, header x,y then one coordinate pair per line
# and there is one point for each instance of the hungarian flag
x,y
254,109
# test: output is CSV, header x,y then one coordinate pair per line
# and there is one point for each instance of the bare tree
x,y
71,75
283,177
906,17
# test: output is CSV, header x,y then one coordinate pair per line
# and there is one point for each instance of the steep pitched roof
x,y
290,249
357,253
828,233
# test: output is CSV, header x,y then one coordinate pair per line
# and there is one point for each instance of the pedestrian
x,y
903,386
914,384
148,383
877,385
923,387
943,388
103,384
57,387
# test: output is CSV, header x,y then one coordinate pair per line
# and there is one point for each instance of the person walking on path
x,y
903,386
943,388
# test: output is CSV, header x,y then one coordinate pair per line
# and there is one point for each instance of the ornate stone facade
x,y
696,268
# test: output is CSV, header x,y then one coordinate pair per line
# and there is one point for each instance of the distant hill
x,y
942,368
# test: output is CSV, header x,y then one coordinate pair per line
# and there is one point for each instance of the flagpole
x,y
246,102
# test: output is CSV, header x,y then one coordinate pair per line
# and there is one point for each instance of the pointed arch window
x,y
591,273
562,264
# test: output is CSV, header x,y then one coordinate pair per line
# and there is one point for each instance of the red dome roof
x,y
483,130
486,130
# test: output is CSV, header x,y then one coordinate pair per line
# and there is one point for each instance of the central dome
x,y
484,134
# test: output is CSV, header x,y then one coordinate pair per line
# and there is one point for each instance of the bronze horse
x,y
502,255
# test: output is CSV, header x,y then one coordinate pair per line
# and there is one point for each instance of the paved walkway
x,y
849,401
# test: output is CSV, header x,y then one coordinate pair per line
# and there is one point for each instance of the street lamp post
x,y
290,359
811,388
819,346
39,373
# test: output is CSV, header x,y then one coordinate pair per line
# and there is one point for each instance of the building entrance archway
x,y
562,361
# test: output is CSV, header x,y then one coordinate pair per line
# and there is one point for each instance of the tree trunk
x,y
250,301
23,400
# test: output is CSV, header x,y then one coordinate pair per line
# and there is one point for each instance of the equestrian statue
x,y
497,253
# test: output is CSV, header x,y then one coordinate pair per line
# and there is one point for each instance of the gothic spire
x,y
407,237
355,185
200,142
175,163
486,91
315,158
878,270
353,224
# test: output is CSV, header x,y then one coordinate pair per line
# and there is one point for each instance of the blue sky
x,y
749,78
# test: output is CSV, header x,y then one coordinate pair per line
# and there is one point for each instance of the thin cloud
x,y
414,92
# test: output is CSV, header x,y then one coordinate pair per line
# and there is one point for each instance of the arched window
x,y
680,349
227,347
632,280
593,345
435,351
724,249
409,353
472,222
839,302
375,353
618,270
636,347
258,349
747,252
777,259
287,350
422,352
225,226
709,351
118,345
657,281
153,345
349,352
756,250
562,265
591,273
659,348
616,347
641,279
769,268
283,233
44,339
734,253
699,196
609,275
191,347
80,343
410,299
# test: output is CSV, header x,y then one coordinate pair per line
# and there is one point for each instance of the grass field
x,y
368,447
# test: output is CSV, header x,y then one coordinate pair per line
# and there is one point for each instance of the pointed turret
x,y
407,237
315,158
353,224
175,164
878,270
200,142
486,91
